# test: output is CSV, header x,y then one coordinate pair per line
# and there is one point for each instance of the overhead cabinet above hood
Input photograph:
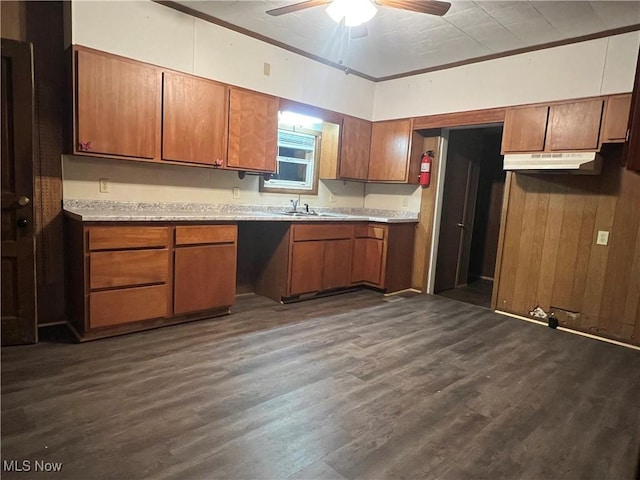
x,y
589,163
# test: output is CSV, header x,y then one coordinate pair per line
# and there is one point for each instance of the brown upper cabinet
x,y
194,120
556,127
117,106
129,109
354,148
392,157
253,131
525,129
575,125
616,119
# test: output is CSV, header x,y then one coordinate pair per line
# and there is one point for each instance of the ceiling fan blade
x,y
432,7
296,7
359,32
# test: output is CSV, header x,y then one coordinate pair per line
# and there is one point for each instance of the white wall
x,y
153,33
132,181
597,67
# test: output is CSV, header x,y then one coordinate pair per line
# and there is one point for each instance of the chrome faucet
x,y
294,205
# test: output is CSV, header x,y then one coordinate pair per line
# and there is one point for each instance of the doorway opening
x,y
470,219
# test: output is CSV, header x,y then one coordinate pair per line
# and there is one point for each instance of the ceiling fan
x,y
355,13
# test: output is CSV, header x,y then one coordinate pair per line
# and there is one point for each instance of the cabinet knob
x,y
22,222
24,201
85,146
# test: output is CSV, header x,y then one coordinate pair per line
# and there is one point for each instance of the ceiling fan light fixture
x,y
354,12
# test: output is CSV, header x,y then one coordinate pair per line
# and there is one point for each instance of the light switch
x,y
236,192
603,238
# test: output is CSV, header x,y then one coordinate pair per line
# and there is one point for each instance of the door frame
x,y
435,233
443,150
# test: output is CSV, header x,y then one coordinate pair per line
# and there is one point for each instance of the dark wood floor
x,y
344,387
477,292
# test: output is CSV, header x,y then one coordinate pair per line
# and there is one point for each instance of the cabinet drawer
x,y
370,231
128,268
114,307
321,232
106,238
200,234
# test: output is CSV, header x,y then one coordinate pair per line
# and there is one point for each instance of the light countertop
x,y
101,211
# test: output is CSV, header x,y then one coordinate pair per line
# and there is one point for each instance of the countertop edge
x,y
101,216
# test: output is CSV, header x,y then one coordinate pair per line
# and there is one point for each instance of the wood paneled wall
x,y
550,257
44,28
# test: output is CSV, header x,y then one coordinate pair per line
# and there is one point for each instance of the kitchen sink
x,y
312,214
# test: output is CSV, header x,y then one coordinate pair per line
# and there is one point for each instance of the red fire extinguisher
x,y
425,168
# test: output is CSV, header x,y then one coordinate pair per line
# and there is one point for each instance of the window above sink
x,y
299,139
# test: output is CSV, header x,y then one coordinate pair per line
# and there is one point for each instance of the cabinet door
x,y
574,126
389,156
336,271
194,120
354,148
253,131
306,267
117,106
525,129
367,260
616,119
204,278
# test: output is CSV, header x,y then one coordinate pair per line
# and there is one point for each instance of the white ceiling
x,y
399,42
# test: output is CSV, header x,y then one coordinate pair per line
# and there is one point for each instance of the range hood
x,y
589,163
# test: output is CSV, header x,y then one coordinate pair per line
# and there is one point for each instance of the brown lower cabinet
x,y
320,265
320,257
130,277
204,267
126,277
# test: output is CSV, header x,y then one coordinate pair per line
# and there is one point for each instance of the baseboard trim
x,y
575,332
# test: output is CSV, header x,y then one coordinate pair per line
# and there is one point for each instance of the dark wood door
x,y
19,324
389,156
336,270
117,106
194,120
458,207
354,148
205,278
253,131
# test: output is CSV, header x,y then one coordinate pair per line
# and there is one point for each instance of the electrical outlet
x,y
236,192
332,197
603,238
405,201
104,185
